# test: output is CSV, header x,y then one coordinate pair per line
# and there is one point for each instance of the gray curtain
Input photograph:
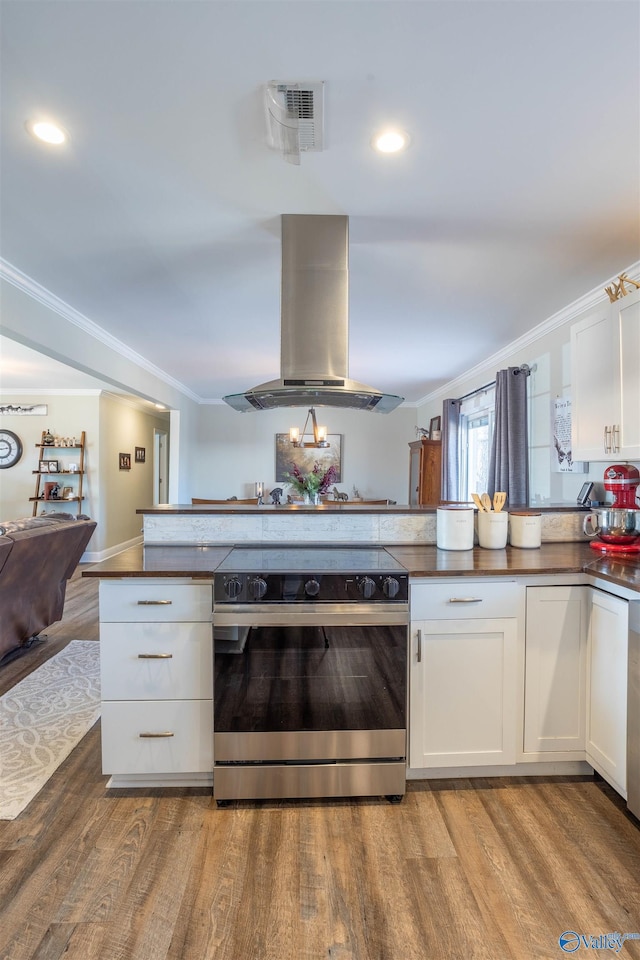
x,y
450,449
509,463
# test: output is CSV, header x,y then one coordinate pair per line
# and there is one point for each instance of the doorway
x,y
160,467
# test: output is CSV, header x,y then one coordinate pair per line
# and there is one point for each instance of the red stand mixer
x,y
617,530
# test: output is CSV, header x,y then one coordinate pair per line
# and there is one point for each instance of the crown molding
x,y
36,291
51,392
566,315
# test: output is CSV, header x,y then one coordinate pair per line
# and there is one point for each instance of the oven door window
x,y
313,678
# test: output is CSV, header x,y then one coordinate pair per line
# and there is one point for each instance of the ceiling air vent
x,y
295,118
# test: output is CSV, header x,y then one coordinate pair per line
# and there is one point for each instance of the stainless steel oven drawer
x,y
265,782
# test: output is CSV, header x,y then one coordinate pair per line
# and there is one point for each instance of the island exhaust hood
x,y
314,324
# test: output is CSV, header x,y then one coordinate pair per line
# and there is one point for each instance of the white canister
x,y
454,528
492,529
525,529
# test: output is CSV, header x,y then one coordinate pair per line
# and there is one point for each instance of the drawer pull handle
x,y
154,603
155,656
152,736
419,656
465,599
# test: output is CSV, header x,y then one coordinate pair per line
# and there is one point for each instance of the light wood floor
x,y
470,869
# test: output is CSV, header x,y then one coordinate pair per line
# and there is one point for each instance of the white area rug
x,y
42,719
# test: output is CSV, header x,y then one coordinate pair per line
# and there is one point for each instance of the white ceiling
x,y
159,221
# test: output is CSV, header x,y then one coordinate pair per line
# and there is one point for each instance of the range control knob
x,y
312,588
232,587
390,587
367,587
258,588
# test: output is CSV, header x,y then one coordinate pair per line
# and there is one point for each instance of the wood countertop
x,y
201,562
348,506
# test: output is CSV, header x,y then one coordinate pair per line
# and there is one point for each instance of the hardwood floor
x,y
487,869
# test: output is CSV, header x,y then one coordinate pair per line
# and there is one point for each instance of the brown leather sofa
x,y
37,557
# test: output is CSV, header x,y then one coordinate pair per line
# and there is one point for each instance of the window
x,y
477,418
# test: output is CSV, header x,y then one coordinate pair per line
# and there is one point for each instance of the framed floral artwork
x,y
305,457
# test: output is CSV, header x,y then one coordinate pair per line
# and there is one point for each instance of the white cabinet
x,y
605,359
156,664
555,672
464,674
606,745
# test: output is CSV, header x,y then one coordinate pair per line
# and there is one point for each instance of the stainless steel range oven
x,y
310,679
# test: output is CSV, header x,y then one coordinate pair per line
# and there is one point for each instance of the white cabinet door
x,y
595,385
463,689
156,661
627,312
156,737
555,671
161,601
607,688
605,359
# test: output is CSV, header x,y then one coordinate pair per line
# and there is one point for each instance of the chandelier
x,y
319,433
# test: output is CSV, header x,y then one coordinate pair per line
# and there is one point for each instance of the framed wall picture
x,y
304,457
140,454
54,466
124,460
43,466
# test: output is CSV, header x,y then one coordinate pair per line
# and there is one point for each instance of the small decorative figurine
x,y
276,495
338,495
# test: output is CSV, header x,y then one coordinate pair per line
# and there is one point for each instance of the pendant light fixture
x,y
319,434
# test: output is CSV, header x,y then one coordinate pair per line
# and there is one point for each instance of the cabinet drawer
x,y
156,661
466,599
170,736
154,601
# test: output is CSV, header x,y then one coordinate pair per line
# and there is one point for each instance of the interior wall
x,y
36,325
67,416
234,450
549,357
124,427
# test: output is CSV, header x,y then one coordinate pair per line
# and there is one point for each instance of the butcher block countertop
x,y
201,562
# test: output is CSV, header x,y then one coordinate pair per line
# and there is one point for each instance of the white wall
x,y
233,450
52,331
67,416
124,427
547,350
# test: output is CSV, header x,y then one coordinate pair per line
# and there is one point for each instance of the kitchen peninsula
x,y
506,673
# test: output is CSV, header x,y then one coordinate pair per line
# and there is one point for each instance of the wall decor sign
x,y
140,454
562,460
24,410
124,460
304,458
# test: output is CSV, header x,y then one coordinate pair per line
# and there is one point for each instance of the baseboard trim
x,y
96,556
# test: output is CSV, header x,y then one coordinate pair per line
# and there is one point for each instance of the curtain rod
x,y
525,368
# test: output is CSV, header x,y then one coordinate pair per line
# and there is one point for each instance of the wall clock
x,y
10,449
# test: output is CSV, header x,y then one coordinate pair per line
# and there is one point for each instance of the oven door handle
x,y
309,614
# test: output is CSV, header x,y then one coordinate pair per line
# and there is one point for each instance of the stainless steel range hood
x,y
314,324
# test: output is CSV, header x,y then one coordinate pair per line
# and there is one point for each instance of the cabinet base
x,y
119,780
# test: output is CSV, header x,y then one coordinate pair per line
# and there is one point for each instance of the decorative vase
x,y
311,499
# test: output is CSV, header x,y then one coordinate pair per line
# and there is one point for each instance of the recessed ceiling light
x,y
47,132
390,141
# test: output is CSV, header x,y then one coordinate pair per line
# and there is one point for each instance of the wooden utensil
x,y
478,502
486,502
499,499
